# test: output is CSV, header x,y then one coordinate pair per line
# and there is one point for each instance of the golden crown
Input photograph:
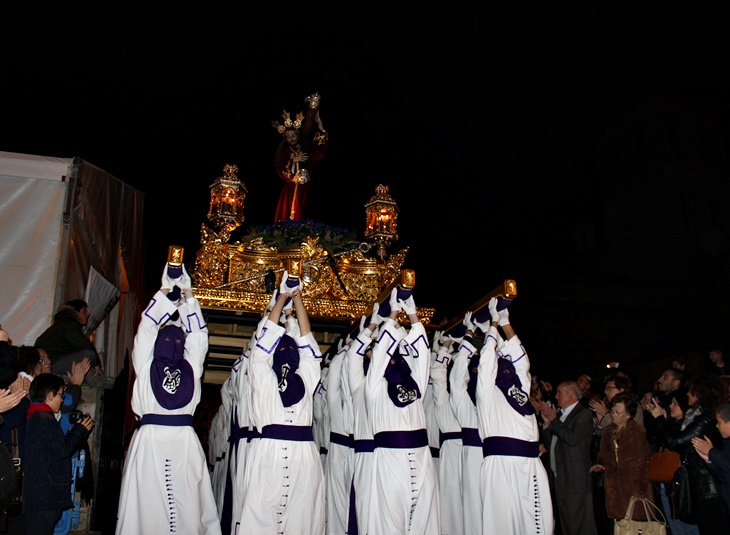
x,y
288,124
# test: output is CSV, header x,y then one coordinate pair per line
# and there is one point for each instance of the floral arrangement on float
x,y
292,233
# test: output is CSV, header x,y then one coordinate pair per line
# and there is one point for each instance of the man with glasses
x,y
569,438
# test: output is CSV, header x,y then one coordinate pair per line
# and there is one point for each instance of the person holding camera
x,y
48,476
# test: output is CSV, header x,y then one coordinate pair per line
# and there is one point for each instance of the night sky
x,y
487,136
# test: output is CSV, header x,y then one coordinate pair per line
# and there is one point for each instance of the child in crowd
x,y
47,479
718,461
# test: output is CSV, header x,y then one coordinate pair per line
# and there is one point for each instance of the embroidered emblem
x,y
285,369
518,395
171,381
406,396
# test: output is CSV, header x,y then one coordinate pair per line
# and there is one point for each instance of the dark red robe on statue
x,y
296,200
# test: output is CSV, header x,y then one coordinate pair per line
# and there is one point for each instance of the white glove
x,y
483,326
409,306
503,317
376,317
493,309
437,340
288,286
166,281
444,342
340,345
363,321
184,282
394,303
468,323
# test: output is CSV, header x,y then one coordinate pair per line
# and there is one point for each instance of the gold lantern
x,y
381,213
227,195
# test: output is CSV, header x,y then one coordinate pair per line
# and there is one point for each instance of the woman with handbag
x,y
693,417
624,456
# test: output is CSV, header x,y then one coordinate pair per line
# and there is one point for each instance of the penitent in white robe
x,y
166,486
471,456
362,471
284,482
404,495
450,463
515,490
338,472
218,444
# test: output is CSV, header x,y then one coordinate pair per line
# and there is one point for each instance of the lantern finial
x,y
381,214
227,195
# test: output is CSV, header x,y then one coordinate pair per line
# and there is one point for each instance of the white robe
x,y
338,472
220,432
471,456
515,490
404,495
348,414
321,418
239,451
362,471
432,426
452,504
166,484
285,489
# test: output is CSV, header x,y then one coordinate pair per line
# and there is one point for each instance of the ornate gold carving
x,y
233,277
407,279
287,123
175,255
255,302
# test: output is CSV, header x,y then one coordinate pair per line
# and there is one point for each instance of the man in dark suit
x,y
568,438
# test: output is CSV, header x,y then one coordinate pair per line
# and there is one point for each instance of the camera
x,y
75,416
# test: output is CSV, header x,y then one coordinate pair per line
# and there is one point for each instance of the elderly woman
x,y
624,456
614,385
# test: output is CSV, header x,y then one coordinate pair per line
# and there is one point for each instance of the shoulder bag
x,y
662,466
655,524
8,478
680,496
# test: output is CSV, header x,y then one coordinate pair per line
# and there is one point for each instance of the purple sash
x,y
443,437
342,440
364,446
510,447
470,437
297,433
402,439
174,420
253,433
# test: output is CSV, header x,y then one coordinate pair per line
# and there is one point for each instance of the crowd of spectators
x,y
683,411
43,445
